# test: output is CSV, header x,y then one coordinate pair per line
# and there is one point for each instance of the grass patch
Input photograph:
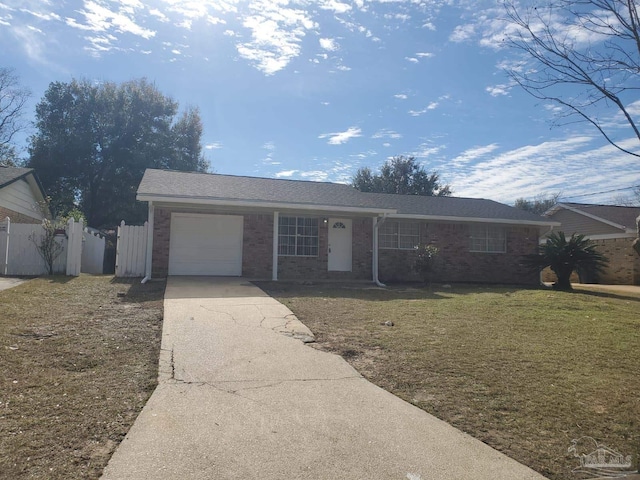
x,y
79,358
525,371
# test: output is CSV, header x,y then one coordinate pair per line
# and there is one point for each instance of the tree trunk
x,y
564,279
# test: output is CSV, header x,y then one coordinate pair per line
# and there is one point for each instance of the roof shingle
x,y
201,186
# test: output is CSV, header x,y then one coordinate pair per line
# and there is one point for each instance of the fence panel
x,y
92,252
5,225
23,257
131,250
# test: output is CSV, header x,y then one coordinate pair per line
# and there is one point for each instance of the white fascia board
x,y
593,217
444,218
610,236
253,204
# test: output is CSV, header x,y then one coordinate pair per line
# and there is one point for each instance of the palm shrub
x,y
567,256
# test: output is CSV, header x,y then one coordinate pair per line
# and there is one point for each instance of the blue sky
x,y
315,90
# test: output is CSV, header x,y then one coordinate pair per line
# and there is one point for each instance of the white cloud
x,y
432,106
424,54
498,90
329,44
417,113
533,169
342,137
411,59
462,33
472,154
276,33
401,96
213,146
335,6
286,173
98,18
386,133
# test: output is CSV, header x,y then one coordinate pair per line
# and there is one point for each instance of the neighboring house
x,y
20,195
611,228
210,224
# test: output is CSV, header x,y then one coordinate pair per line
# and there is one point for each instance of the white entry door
x,y
340,245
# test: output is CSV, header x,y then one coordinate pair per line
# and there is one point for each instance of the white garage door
x,y
205,244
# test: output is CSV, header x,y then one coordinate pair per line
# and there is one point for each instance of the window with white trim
x,y
488,239
399,235
298,236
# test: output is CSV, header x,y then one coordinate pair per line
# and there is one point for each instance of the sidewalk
x,y
239,398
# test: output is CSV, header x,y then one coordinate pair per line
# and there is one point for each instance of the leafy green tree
x,y
403,175
538,205
94,142
577,254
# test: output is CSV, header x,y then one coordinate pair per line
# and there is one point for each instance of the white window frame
x,y
302,238
398,235
488,239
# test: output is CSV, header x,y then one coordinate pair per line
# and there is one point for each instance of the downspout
x,y
274,254
149,256
377,221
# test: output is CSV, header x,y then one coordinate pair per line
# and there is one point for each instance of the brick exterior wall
x,y
624,263
316,268
455,263
257,246
623,267
17,217
161,236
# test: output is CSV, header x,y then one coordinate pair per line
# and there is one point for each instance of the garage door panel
x,y
206,245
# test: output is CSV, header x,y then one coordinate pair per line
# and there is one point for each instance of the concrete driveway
x,y
240,398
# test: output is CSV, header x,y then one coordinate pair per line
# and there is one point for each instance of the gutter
x,y
377,221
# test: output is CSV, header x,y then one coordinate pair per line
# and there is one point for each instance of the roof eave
x,y
144,197
451,218
591,216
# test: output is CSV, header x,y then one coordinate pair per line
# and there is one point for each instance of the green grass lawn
x,y
524,370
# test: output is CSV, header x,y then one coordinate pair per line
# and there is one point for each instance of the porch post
x,y
274,268
149,252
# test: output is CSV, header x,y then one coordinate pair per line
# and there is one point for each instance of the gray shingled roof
x,y
202,186
11,174
625,216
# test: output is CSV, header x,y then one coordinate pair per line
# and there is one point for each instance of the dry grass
x,y
525,371
79,359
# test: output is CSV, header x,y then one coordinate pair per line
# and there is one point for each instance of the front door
x,y
339,245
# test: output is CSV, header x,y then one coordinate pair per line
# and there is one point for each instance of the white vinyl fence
x,y
19,254
131,250
92,252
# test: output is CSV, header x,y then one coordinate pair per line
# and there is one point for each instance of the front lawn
x,y
525,371
79,359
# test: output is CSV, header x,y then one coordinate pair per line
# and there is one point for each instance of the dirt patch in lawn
x,y
525,371
79,358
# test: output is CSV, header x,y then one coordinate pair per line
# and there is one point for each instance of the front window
x,y
488,239
298,236
399,235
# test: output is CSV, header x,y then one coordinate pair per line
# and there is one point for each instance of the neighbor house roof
x,y
618,216
205,188
9,175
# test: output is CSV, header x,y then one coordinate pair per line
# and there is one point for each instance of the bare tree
x,y
13,99
586,59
